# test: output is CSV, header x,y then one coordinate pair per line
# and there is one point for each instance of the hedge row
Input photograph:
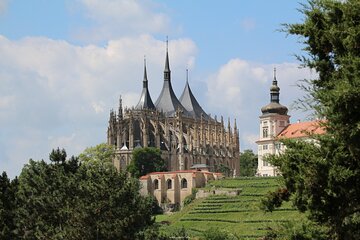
x,y
223,211
231,221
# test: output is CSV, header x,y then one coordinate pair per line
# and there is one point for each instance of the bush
x,y
190,198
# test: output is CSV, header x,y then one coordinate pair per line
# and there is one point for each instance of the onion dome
x,y
274,106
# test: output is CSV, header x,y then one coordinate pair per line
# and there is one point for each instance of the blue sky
x,y
64,64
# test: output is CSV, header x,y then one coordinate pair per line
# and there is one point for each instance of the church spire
x,y
120,114
145,81
145,101
274,90
274,106
167,65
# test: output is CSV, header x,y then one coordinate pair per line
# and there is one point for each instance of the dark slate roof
x,y
274,107
190,103
145,101
167,102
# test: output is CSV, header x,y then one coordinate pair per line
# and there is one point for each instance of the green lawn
x,y
240,215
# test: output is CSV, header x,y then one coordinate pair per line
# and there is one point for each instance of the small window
x,y
183,183
156,184
265,163
278,146
282,124
265,147
265,132
169,184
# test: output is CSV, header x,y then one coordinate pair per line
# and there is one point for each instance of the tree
x,y
7,206
146,160
101,152
73,200
248,163
323,178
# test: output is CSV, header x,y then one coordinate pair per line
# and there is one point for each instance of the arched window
x,y
183,183
156,184
169,184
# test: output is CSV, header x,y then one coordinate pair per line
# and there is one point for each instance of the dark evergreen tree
x,y
7,206
58,156
324,177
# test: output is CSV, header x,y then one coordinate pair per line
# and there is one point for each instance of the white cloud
x,y
113,19
240,88
53,88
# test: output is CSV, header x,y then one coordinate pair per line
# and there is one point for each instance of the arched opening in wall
x,y
186,163
156,184
169,184
207,162
183,183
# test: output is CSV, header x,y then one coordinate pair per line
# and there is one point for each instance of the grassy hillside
x,y
240,215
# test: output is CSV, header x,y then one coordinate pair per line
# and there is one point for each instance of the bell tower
x,y
273,120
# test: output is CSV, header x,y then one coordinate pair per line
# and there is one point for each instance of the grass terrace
x,y
240,215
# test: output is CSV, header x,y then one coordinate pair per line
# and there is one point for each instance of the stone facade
x,y
180,128
174,187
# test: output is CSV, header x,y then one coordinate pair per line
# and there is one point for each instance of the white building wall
x,y
270,126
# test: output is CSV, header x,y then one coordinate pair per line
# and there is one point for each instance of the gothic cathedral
x,y
187,137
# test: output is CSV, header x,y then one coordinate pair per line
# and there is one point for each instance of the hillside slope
x,y
240,214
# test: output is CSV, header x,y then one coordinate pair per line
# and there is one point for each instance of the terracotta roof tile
x,y
301,130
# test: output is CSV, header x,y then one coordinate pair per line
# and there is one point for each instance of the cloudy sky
x,y
64,64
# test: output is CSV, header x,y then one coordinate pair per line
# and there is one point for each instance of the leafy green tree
x,y
323,178
146,160
224,170
248,163
101,152
7,206
91,200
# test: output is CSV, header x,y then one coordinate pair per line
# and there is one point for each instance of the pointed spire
x,y
274,106
229,123
274,80
167,101
167,65
274,90
145,101
145,81
120,108
235,126
188,100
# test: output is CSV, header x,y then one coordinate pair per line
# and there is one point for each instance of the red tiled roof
x,y
176,172
302,129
